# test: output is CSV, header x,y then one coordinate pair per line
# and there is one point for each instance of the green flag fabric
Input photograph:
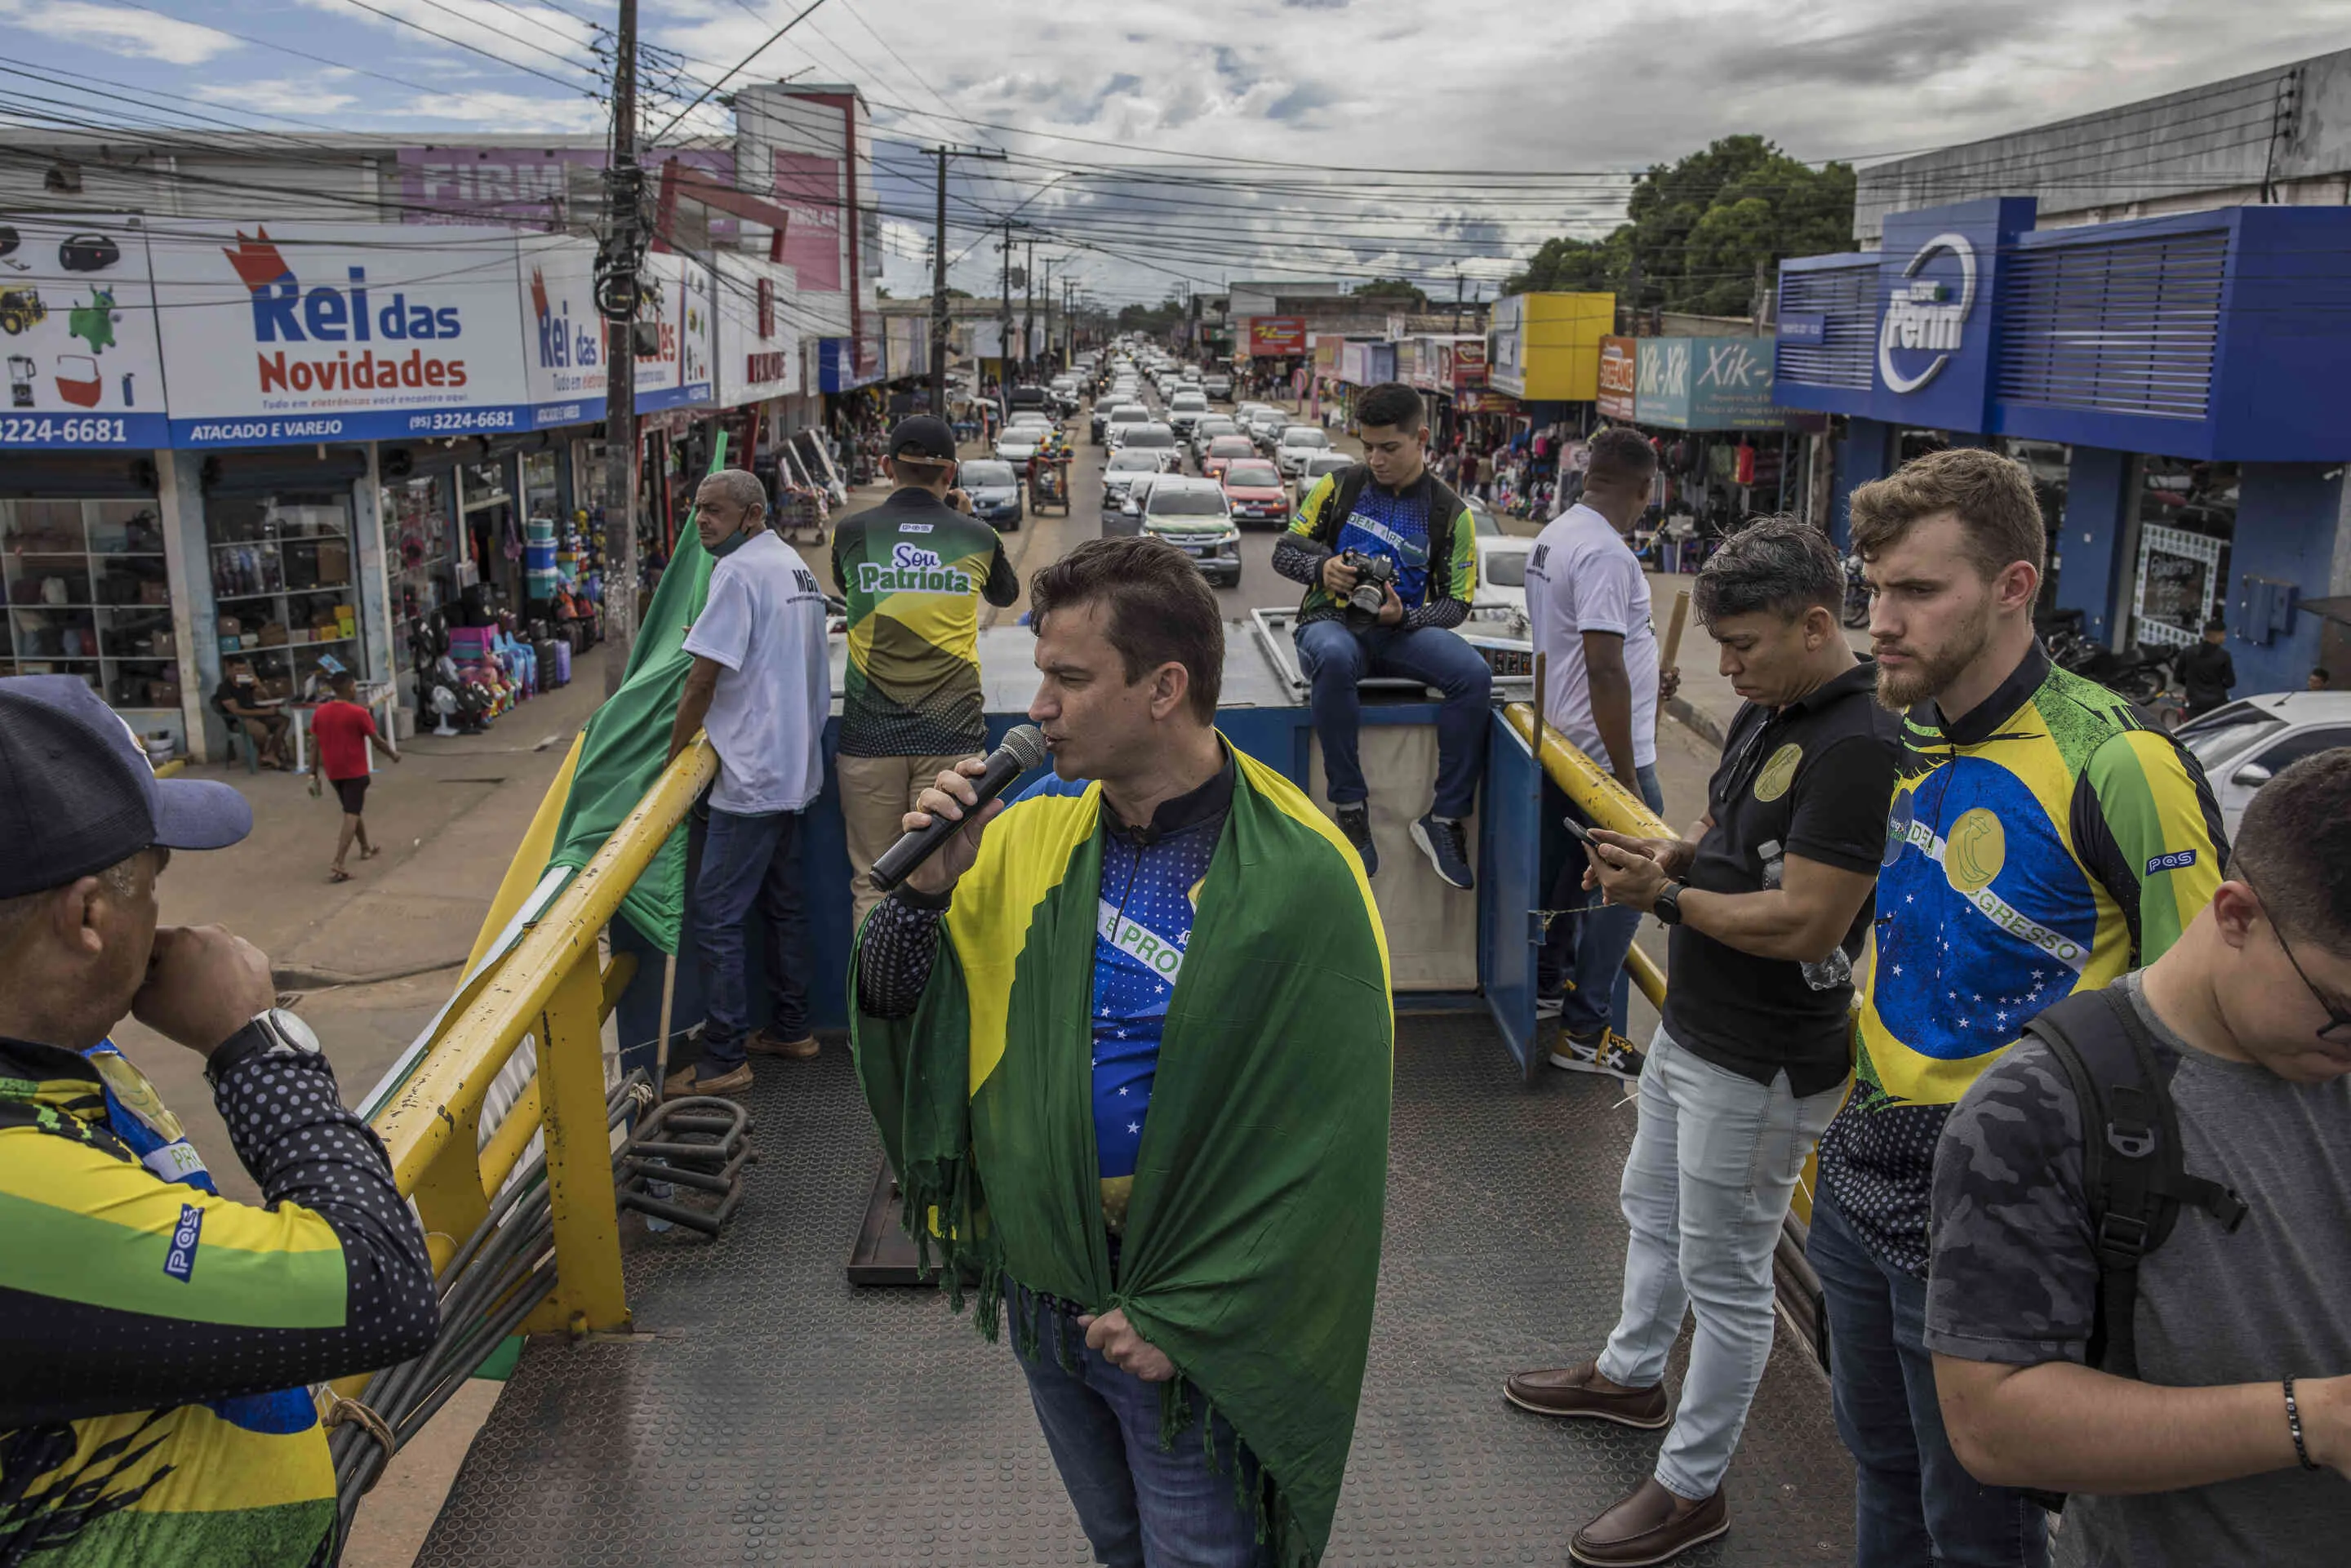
x,y
1250,1253
627,742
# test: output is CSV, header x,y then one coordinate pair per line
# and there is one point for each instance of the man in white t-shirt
x,y
1588,602
761,688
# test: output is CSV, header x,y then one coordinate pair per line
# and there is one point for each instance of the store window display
x,y
86,594
283,589
2187,521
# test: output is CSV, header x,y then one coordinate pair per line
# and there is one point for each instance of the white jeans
x,y
1714,1162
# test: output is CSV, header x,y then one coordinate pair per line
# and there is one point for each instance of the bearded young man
x,y
1128,1041
2044,840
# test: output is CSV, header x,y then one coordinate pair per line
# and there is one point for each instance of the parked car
x,y
1184,411
1121,472
1265,427
1501,570
1219,386
2244,744
1193,514
1033,398
1222,451
1113,410
994,490
1147,435
1253,486
1295,442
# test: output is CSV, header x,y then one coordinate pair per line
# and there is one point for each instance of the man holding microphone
x,y
1767,898
1194,1237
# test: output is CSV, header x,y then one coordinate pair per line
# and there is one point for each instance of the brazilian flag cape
x,y
1251,1250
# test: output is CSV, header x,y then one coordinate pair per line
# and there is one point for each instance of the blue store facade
x,y
2175,385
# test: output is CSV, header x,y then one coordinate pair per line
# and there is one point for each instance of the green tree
x,y
1393,289
1155,319
1697,229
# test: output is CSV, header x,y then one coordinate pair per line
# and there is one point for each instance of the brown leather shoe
x,y
1571,1391
1650,1526
684,1082
767,1043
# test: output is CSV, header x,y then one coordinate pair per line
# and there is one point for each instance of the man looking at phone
x,y
1391,521
1767,898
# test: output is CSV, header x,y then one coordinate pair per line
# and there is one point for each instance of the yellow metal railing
x,y
1598,794
554,987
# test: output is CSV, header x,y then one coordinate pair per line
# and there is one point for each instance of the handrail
x,y
555,987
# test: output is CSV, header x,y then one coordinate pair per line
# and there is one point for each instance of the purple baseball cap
x,y
78,793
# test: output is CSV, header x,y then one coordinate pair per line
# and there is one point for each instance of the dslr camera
x,y
1374,574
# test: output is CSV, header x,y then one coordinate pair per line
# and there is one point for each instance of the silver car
x,y
1296,444
2244,744
1194,516
1121,471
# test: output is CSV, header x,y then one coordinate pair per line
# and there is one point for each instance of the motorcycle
x,y
1856,593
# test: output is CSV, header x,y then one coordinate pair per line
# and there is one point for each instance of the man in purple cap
x,y
153,1399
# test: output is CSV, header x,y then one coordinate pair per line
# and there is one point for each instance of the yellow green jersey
x,y
914,571
2047,842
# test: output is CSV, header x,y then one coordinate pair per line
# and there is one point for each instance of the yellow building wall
x,y
1562,333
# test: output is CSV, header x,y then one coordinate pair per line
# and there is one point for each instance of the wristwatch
x,y
1669,906
273,1032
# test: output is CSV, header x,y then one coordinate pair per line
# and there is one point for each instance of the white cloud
x,y
117,28
296,96
501,112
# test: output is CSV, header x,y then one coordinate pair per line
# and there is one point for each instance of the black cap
x,y
922,436
77,794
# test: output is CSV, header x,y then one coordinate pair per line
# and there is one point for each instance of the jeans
x,y
1141,1507
1714,1159
1914,1502
1591,944
1334,659
748,860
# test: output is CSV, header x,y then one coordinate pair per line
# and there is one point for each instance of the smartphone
x,y
1583,834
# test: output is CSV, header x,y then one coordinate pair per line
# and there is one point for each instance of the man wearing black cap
x,y
154,1398
914,571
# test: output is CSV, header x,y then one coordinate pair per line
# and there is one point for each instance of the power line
x,y
736,69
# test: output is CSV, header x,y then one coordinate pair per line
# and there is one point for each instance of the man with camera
x,y
1389,556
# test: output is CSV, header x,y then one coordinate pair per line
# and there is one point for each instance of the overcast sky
x,y
1540,107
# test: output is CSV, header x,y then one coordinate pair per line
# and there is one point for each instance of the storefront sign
x,y
1705,383
1803,328
1619,364
315,332
1935,281
535,187
78,335
1925,316
675,302
758,350
1468,362
1276,337
814,187
563,337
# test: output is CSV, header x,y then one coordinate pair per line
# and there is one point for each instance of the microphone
x,y
1023,749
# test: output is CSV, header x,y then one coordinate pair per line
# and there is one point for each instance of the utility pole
x,y
1029,307
1456,300
940,273
616,297
1052,361
1003,323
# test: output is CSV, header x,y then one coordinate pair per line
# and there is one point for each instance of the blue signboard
x,y
1938,271
1803,328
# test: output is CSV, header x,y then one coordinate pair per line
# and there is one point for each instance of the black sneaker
x,y
1355,821
1607,1053
1443,842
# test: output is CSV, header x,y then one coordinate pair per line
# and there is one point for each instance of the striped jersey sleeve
x,y
2147,826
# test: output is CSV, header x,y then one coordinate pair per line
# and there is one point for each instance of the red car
x,y
1254,487
1222,450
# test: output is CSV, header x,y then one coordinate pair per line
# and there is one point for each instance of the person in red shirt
x,y
344,731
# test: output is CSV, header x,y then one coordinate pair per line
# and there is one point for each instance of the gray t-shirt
x,y
2014,1280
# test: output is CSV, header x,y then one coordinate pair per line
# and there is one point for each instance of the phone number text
x,y
85,432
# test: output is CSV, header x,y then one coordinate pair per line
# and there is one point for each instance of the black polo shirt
x,y
1813,778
